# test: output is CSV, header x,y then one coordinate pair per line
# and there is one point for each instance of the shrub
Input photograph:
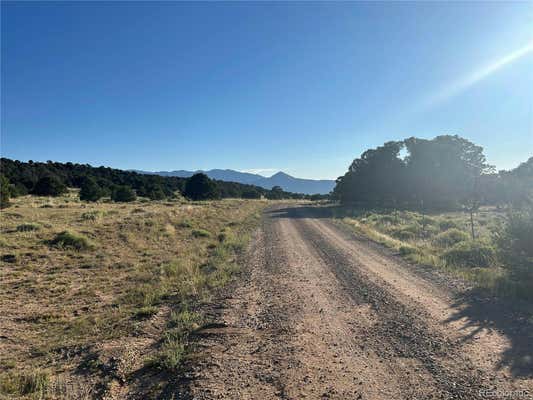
x,y
447,224
226,235
276,193
9,258
185,224
49,186
425,220
450,237
200,187
156,193
71,240
251,194
414,228
90,191
406,250
5,192
185,320
410,231
403,234
17,189
201,233
470,254
123,194
28,227
391,219
146,312
516,241
91,215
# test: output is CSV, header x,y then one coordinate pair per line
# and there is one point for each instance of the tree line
x,y
52,179
446,172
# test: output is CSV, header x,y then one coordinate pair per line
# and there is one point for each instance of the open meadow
x,y
93,293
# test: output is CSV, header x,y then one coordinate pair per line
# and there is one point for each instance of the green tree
x,y
156,192
377,178
200,187
251,194
49,186
123,194
4,192
90,191
515,245
442,171
436,173
276,193
516,186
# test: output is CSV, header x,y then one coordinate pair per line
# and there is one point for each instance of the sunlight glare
x,y
482,73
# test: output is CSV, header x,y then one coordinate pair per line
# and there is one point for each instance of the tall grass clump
x,y
25,383
450,237
171,354
470,254
70,240
145,295
185,224
92,215
28,227
174,345
446,224
201,233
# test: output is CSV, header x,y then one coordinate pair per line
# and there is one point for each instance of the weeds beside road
x,y
443,240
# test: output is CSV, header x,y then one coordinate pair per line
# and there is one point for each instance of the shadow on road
x,y
305,212
512,319
504,316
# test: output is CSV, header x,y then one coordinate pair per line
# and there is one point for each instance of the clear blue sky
x,y
299,87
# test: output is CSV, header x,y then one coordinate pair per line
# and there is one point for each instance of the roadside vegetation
x,y
96,294
443,240
438,202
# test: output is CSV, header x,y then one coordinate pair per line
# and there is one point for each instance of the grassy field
x,y
92,294
444,240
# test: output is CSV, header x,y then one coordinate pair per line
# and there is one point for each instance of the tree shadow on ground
x,y
511,318
305,212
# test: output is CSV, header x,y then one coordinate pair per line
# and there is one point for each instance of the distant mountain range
x,y
285,181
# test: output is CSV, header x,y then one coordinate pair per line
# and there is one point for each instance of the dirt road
x,y
325,314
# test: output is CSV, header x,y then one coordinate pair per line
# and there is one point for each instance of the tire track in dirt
x,y
483,346
401,332
313,319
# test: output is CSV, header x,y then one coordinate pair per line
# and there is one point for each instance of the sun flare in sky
x,y
261,87
481,73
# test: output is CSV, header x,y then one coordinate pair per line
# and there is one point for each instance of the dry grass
x,y
101,281
441,240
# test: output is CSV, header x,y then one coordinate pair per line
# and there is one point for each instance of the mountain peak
x,y
281,174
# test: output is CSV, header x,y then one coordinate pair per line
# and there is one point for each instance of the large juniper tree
x,y
200,187
436,173
49,186
90,191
